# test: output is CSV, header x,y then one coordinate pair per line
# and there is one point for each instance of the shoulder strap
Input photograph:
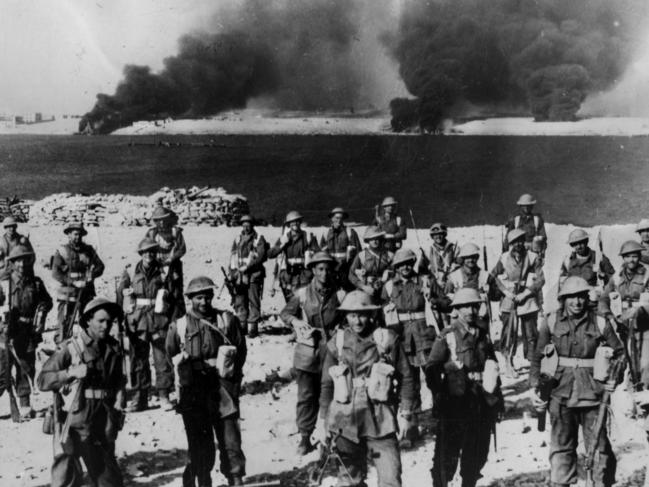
x,y
517,220
389,286
340,342
181,329
551,321
537,222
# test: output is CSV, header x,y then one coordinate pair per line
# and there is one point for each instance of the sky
x,y
56,55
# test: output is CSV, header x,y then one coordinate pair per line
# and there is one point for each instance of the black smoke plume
x,y
296,54
543,55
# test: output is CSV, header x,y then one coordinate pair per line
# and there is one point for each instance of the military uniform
x,y
94,422
644,256
147,330
7,244
342,244
443,260
368,269
395,231
209,401
576,397
30,303
317,306
519,273
248,252
293,270
75,268
367,427
467,412
642,229
587,267
478,279
171,250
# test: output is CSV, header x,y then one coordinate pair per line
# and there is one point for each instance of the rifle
x,y
11,390
613,374
276,269
546,384
421,248
229,283
486,269
513,319
628,335
121,337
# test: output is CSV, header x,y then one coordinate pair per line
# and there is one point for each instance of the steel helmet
x,y
469,249
577,235
372,233
101,303
161,213
147,244
466,295
526,199
20,251
630,246
75,225
9,221
340,210
438,228
199,284
320,257
574,285
643,225
403,256
292,216
388,200
357,301
247,218
515,234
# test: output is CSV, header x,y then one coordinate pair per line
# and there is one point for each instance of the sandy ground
x,y
527,126
152,446
67,126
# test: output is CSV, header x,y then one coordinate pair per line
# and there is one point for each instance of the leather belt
x,y
339,255
412,316
476,376
144,302
576,362
76,275
359,381
95,393
295,260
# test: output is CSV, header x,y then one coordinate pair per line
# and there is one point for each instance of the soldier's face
x,y
358,322
99,325
374,244
295,226
631,260
581,247
11,230
148,256
322,272
75,237
439,238
337,220
202,302
246,227
644,235
468,313
470,261
575,305
527,209
390,209
19,266
518,245
405,269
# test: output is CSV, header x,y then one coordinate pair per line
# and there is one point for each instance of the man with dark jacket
x,y
342,243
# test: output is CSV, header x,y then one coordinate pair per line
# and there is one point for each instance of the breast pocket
x,y
591,341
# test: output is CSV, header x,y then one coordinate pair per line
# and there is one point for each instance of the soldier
x,y
366,422
293,251
405,296
371,267
462,373
75,266
28,305
247,272
585,262
470,275
392,224
342,243
443,255
519,276
573,334
531,223
643,230
312,313
210,372
87,368
172,248
148,306
9,241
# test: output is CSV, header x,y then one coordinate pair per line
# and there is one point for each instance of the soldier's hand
x,y
610,386
321,433
78,371
539,404
368,289
79,284
84,258
284,239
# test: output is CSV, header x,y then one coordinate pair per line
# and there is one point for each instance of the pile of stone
x,y
193,206
15,207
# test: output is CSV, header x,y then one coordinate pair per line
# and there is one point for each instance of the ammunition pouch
x,y
602,363
379,383
490,376
549,361
339,374
225,359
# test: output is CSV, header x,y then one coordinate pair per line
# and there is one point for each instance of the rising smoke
x,y
545,56
288,54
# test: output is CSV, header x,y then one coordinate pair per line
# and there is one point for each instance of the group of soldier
x,y
369,323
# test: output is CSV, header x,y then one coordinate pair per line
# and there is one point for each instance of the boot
x,y
253,330
235,480
305,445
165,403
26,413
140,402
188,476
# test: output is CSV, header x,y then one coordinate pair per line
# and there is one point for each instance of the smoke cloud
x,y
543,55
288,54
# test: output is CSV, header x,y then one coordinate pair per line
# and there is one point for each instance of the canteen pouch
x,y
128,304
490,376
603,356
391,315
48,421
161,305
644,299
549,360
341,383
379,383
225,361
616,303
